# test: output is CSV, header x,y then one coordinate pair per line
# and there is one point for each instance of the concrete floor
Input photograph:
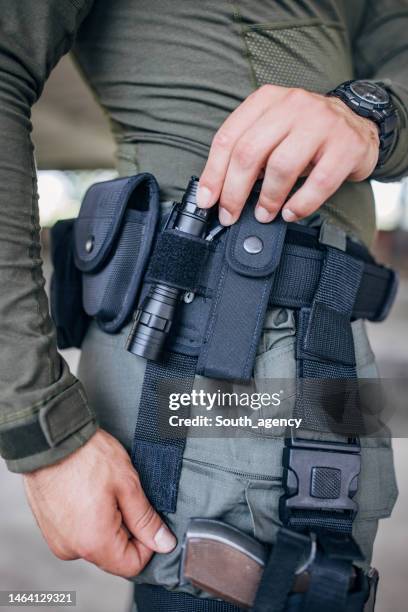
x,y
26,563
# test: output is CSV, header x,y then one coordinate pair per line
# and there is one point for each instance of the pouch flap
x,y
102,213
253,248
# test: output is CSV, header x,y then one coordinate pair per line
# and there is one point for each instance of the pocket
x,y
205,491
114,236
310,54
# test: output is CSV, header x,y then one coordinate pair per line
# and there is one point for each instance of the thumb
x,y
142,520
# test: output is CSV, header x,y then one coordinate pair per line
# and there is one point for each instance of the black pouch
x,y
67,312
113,238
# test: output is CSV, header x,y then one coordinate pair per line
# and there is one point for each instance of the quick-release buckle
x,y
319,476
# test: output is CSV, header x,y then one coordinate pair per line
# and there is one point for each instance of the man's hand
x,y
91,506
286,133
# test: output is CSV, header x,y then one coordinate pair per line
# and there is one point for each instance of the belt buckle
x,y
319,476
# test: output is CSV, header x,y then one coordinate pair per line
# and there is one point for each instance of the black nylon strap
x,y
325,348
278,577
315,519
157,452
329,585
298,274
149,598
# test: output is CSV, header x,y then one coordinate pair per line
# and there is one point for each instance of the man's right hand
x,y
91,506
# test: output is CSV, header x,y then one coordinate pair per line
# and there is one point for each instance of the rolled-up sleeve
x,y
381,54
44,414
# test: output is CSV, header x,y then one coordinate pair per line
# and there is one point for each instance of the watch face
x,y
370,92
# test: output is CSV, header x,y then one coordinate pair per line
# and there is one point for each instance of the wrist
x,y
372,101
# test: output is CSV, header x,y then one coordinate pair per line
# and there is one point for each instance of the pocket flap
x,y
254,249
102,213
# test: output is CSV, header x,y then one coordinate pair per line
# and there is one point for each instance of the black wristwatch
x,y
371,100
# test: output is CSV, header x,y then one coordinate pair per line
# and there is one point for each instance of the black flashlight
x,y
154,318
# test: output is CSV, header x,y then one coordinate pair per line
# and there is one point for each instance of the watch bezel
x,y
374,103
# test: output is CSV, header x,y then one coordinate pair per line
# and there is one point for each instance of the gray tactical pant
x,y
237,480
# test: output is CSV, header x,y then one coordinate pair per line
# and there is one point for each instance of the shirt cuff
x,y
61,426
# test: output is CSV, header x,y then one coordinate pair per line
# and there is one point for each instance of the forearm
x,y
43,409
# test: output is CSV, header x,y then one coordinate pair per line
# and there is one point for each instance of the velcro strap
x,y
178,260
48,427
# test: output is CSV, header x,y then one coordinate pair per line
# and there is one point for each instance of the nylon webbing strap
x,y
157,453
149,598
325,349
278,577
329,585
315,519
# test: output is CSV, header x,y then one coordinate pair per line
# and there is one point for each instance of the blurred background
x,y
74,149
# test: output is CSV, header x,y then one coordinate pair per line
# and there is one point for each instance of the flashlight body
x,y
154,318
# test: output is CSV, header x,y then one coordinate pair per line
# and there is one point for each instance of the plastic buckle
x,y
319,476
389,298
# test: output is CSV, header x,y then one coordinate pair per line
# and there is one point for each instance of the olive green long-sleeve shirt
x,y
167,72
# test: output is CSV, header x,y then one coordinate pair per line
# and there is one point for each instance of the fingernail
x,y
204,197
288,215
165,540
262,215
225,217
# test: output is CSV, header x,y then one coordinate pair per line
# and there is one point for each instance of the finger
x,y
126,557
247,159
120,554
332,169
286,163
213,175
142,520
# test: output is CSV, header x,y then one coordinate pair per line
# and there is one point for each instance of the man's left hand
x,y
284,133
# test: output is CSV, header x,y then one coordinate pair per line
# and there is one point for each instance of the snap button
x,y
253,245
89,244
